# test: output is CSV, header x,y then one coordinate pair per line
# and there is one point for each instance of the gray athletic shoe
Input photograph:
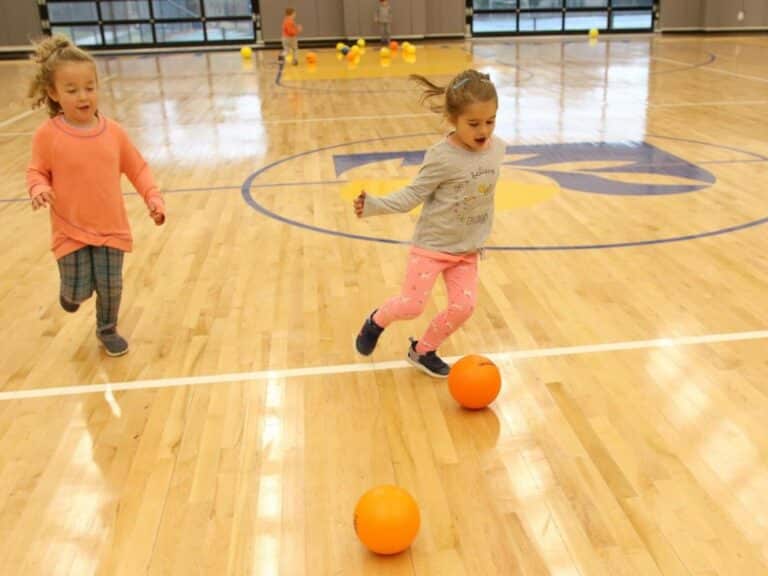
x,y
114,344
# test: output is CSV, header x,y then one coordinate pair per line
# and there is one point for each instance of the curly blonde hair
x,y
49,54
465,88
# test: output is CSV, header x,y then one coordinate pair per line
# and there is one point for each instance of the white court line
x,y
349,118
373,366
715,103
23,115
432,114
18,117
710,69
283,121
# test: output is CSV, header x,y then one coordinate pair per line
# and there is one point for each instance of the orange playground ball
x,y
393,45
474,381
311,58
387,519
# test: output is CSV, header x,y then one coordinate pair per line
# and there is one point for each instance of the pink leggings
x,y
460,275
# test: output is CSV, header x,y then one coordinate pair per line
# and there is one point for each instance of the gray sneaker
x,y
430,362
114,344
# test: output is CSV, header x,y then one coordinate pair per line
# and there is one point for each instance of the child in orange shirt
x,y
291,32
78,156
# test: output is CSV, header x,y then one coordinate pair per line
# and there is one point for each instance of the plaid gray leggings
x,y
92,268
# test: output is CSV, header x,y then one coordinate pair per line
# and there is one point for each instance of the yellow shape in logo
x,y
510,194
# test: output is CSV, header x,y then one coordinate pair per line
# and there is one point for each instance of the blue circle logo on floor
x,y
643,185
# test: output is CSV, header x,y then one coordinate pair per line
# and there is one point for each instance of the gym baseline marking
x,y
359,368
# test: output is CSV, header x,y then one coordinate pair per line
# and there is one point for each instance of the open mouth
x,y
480,141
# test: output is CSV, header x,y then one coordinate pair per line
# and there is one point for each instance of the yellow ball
x,y
385,52
361,42
339,46
354,50
409,49
594,33
246,52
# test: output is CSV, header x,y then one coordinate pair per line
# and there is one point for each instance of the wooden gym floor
x,y
624,299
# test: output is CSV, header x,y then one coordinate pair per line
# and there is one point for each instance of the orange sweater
x,y
83,167
290,28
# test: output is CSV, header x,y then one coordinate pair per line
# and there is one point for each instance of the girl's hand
x,y
43,199
157,211
359,204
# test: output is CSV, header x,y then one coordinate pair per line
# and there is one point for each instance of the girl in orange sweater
x,y
78,156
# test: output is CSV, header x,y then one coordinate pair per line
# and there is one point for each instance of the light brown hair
x,y
465,88
49,54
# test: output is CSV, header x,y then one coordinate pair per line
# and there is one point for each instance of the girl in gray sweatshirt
x,y
456,186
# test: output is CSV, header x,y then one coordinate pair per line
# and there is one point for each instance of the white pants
x,y
291,46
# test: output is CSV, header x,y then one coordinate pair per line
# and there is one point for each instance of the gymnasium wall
x,y
713,14
19,22
354,18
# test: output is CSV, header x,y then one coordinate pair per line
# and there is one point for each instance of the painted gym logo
x,y
627,168
631,168
560,180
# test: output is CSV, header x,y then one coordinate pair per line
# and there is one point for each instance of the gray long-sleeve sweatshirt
x,y
457,188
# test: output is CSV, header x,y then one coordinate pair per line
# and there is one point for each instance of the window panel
x,y
541,22
125,10
494,23
586,20
632,19
170,32
80,35
230,30
218,8
72,12
167,9
128,33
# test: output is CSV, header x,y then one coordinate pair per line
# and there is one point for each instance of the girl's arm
x,y
431,174
133,165
39,171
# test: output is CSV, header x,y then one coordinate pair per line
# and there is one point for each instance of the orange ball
x,y
393,45
311,58
387,519
474,381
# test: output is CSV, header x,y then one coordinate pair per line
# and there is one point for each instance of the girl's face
x,y
76,89
474,126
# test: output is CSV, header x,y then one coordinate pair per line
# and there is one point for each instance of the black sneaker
x,y
430,362
368,336
114,344
70,307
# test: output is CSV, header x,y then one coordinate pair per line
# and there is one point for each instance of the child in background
x,y
291,32
78,156
456,184
383,17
